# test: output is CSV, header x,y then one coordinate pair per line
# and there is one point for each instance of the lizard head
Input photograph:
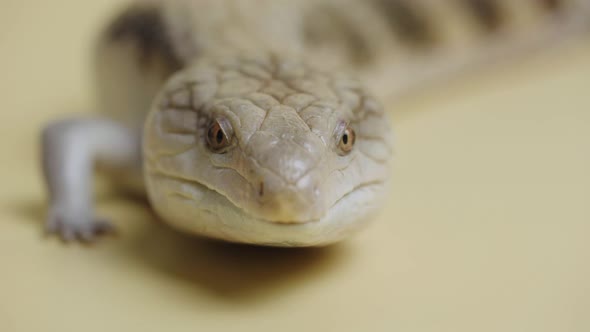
x,y
266,150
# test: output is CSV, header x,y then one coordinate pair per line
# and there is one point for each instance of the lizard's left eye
x,y
219,135
347,140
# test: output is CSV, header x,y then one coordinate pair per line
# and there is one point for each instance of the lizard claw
x,y
76,227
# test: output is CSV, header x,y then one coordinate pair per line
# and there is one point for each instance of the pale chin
x,y
193,208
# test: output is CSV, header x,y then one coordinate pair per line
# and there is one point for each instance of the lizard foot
x,y
76,226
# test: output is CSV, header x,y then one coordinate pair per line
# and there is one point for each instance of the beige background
x,y
487,229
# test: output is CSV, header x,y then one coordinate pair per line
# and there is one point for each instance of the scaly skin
x,y
251,135
283,180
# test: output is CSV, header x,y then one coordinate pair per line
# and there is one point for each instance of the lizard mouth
x,y
224,203
335,205
195,208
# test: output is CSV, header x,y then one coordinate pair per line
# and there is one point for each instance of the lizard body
x,y
240,119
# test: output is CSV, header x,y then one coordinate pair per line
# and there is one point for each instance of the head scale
x,y
266,150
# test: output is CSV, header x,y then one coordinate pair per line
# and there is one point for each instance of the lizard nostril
x,y
261,189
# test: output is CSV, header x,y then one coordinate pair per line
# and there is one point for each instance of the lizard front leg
x,y
70,149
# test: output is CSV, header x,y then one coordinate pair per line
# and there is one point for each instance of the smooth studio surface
x,y
487,229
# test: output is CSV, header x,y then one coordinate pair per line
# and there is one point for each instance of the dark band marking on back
x,y
487,13
551,5
328,24
144,26
411,25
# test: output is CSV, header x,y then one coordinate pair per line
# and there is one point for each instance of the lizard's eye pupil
x,y
347,140
218,137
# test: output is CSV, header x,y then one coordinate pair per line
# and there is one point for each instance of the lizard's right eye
x,y
219,135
